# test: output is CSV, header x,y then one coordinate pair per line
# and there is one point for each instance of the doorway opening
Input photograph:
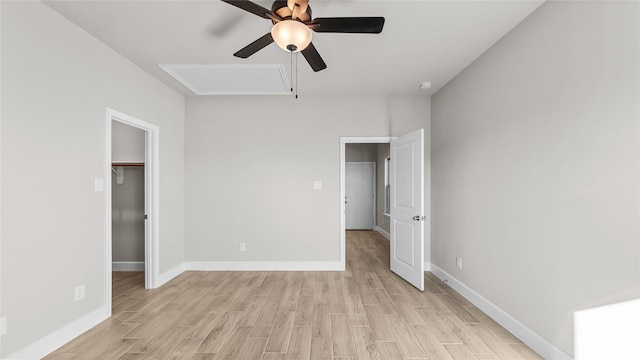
x,y
151,197
344,143
405,177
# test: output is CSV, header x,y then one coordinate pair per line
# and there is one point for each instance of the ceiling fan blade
x,y
250,7
255,46
313,58
360,25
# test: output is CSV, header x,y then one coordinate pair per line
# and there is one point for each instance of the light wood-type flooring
x,y
365,312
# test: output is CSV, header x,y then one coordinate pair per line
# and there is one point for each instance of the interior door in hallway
x,y
407,207
359,195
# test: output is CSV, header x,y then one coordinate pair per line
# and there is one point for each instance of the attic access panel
x,y
236,79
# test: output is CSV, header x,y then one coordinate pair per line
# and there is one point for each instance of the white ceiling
x,y
421,41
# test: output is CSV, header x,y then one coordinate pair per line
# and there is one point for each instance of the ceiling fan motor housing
x,y
282,9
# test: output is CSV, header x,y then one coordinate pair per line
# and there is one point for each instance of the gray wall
x,y
536,167
57,81
250,171
127,143
360,152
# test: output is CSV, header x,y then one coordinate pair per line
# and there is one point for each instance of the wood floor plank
x,y
367,297
437,326
304,311
264,324
410,312
407,343
365,343
355,310
497,345
379,323
459,352
432,347
321,323
221,327
461,330
308,286
252,311
253,348
525,352
300,344
341,336
390,351
321,349
232,347
385,302
281,332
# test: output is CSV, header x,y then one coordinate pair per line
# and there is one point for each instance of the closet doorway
x,y
127,197
131,197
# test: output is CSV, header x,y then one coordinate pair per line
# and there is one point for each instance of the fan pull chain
x,y
291,69
296,75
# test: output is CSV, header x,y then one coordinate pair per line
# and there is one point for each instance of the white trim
x,y
55,340
152,197
530,338
427,266
343,141
375,189
169,275
263,266
127,266
383,232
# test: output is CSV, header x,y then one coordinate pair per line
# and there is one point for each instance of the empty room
x,y
320,179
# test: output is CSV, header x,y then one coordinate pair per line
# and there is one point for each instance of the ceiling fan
x,y
292,25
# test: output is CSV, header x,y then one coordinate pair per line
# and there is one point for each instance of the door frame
x,y
152,196
344,140
373,166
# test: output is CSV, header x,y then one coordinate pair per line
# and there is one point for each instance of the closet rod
x,y
127,164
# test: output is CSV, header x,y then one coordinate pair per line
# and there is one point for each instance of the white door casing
x,y
152,196
407,208
360,195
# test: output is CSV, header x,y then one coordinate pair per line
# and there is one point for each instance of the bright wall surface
x,y
57,82
250,173
127,143
536,167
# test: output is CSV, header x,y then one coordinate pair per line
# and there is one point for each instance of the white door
x,y
359,195
407,207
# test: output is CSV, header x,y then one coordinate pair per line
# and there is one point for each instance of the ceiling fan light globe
x,y
291,32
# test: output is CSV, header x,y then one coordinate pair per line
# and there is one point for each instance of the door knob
x,y
418,218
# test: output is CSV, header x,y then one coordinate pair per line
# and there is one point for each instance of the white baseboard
x,y
127,266
427,266
53,341
526,335
170,274
383,233
263,266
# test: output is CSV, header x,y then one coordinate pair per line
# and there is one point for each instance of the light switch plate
x,y
99,184
317,185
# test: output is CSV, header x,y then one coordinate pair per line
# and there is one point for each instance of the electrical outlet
x,y
243,247
3,325
79,293
459,262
